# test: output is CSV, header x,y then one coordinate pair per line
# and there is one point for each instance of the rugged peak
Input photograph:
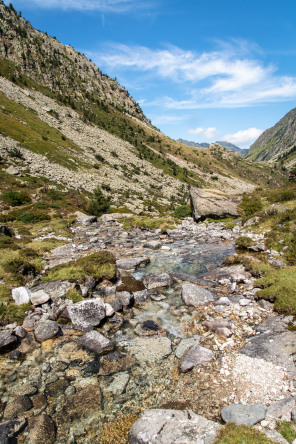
x,y
59,67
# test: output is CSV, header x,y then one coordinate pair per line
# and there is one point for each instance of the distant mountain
x,y
277,143
229,146
193,144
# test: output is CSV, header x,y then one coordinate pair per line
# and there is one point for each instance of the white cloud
x,y
160,120
206,133
115,6
221,78
243,137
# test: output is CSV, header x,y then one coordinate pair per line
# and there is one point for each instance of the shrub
x,y
99,157
182,211
31,217
5,242
16,153
243,242
15,198
281,195
250,205
291,251
99,204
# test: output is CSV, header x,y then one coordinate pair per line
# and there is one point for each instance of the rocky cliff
x,y
277,144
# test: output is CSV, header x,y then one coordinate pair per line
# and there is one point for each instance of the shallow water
x,y
183,257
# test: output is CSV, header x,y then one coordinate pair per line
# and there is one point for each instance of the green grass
x,y
287,429
74,295
148,223
233,434
100,265
13,313
279,286
23,125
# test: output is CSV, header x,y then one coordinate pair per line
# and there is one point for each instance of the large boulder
x,y
196,296
173,426
87,314
85,219
212,203
8,341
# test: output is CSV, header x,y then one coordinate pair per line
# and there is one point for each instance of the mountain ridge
x,y
278,143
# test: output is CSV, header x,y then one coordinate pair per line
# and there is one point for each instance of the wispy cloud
x,y
243,137
206,133
221,78
104,6
161,120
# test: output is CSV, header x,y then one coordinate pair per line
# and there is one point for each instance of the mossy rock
x,y
130,284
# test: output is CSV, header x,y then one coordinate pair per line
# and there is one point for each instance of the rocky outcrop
x,y
212,203
244,414
172,426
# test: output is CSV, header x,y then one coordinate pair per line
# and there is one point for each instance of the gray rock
x,y
131,263
281,410
6,231
7,341
85,219
96,342
185,344
152,280
55,289
196,296
21,295
39,297
219,326
278,349
125,298
46,329
154,245
171,427
118,384
20,332
12,170
241,414
140,297
196,355
212,203
149,348
87,314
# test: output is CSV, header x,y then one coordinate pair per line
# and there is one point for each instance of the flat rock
x,y
96,342
118,384
173,426
149,348
153,280
87,314
196,355
131,263
85,219
212,203
21,295
8,341
276,348
39,297
196,296
154,245
46,329
55,289
241,414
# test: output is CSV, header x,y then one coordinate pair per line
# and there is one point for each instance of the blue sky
x,y
202,71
